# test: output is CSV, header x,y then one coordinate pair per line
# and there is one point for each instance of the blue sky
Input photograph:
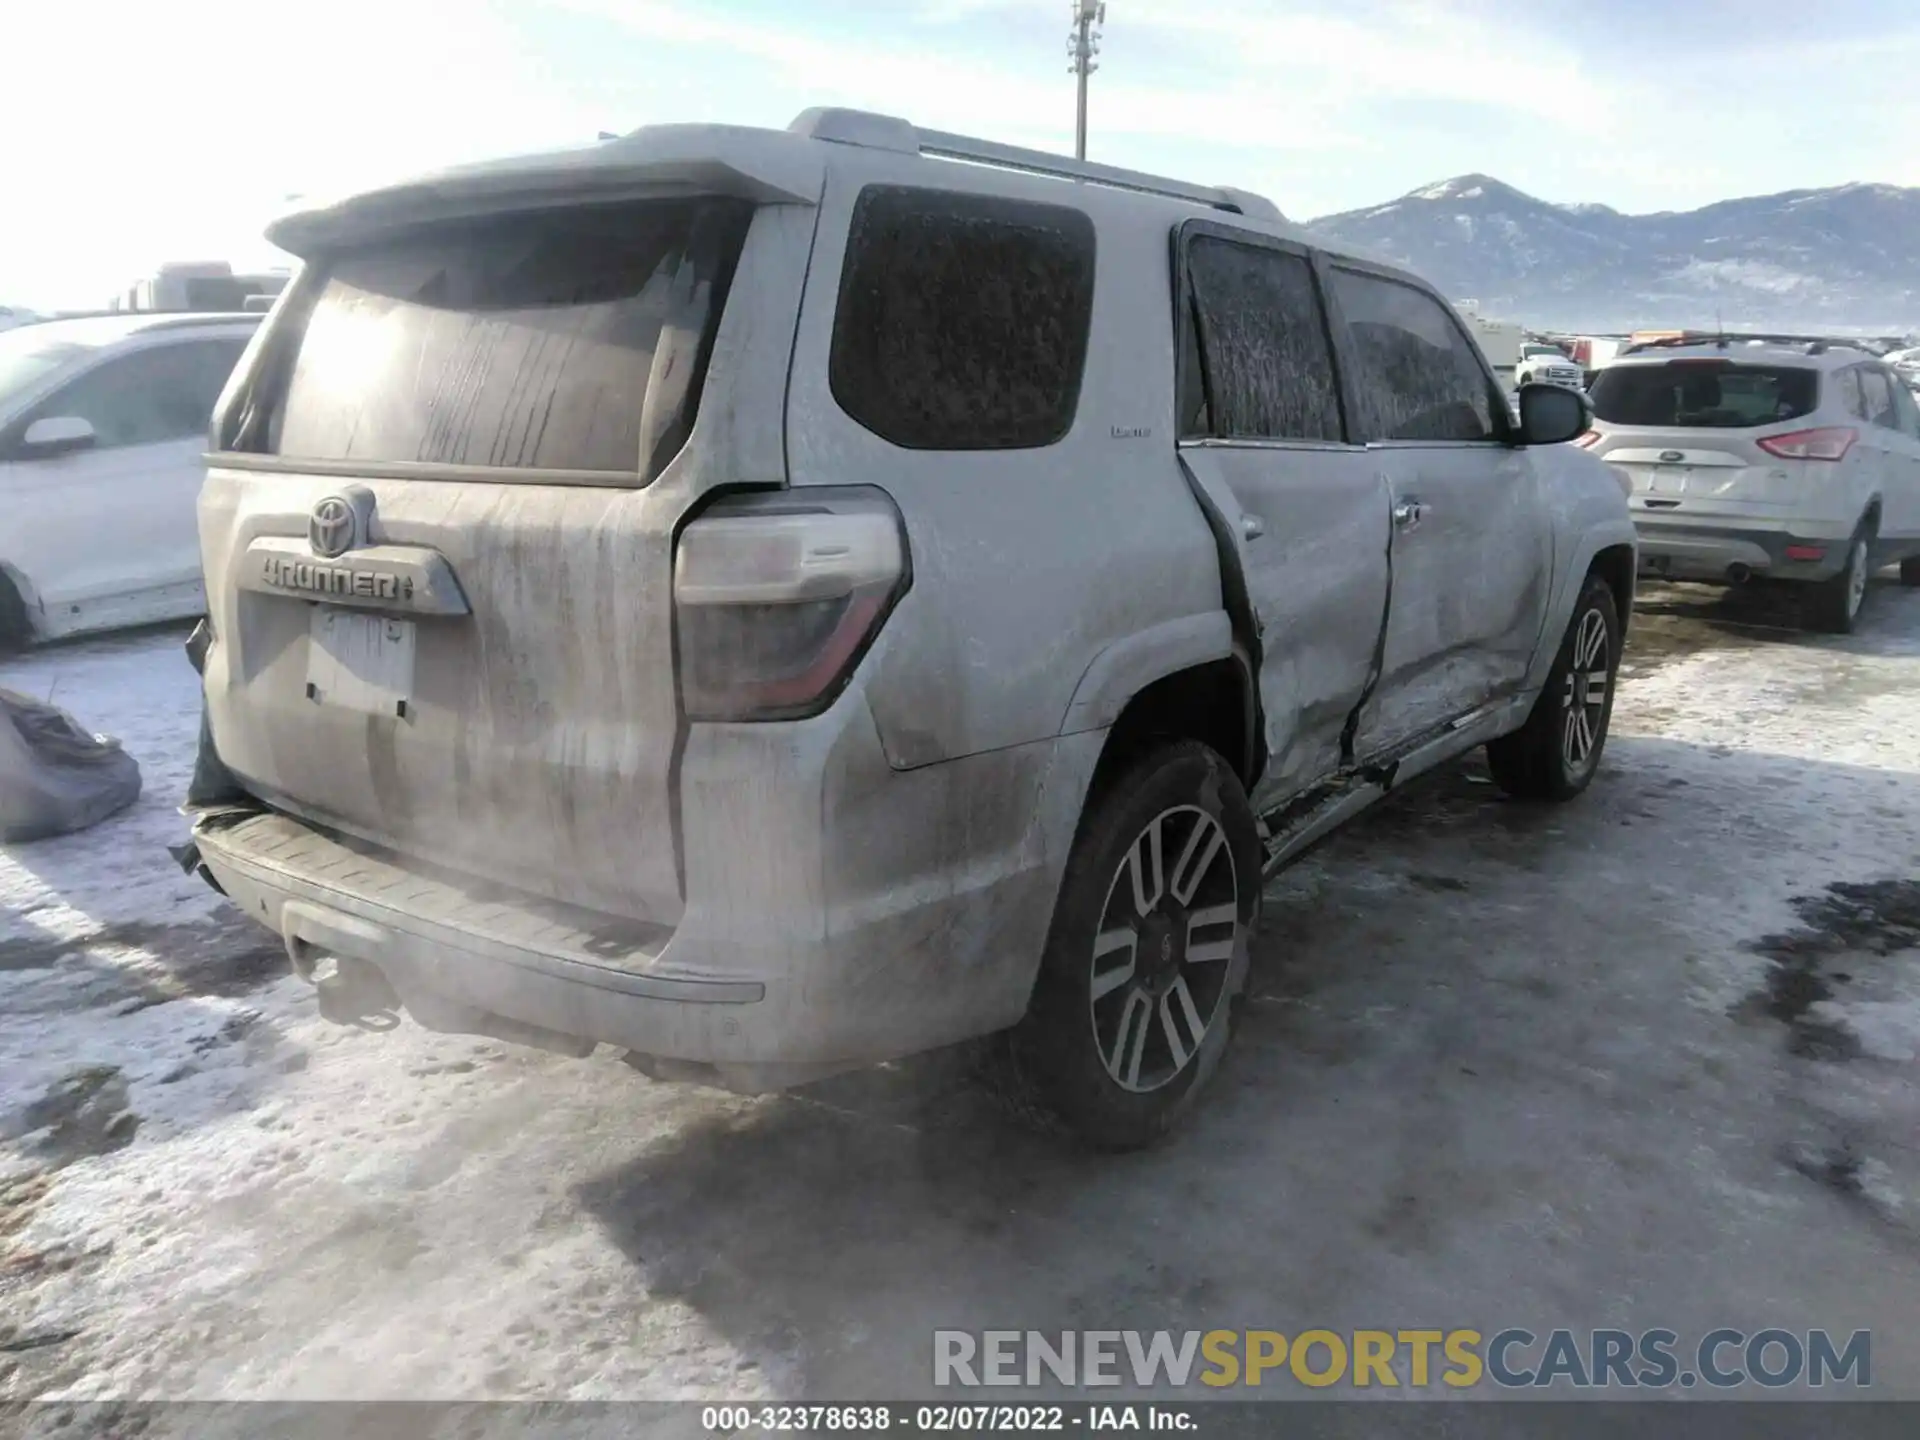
x,y
138,132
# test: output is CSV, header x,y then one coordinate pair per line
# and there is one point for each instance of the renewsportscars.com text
x,y
1512,1358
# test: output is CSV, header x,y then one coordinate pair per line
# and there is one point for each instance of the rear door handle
x,y
1408,513
1252,527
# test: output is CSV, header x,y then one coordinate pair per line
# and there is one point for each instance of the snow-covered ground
x,y
1645,1060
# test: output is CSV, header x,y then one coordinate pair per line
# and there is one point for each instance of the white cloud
x,y
140,132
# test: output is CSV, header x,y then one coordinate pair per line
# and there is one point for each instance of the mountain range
x,y
1846,258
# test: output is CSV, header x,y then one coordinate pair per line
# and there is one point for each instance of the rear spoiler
x,y
1812,344
766,166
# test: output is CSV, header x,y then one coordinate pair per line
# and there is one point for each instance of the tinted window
x,y
569,340
962,319
27,358
1879,397
1704,394
163,392
1263,346
1417,374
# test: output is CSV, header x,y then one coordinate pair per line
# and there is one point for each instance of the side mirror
x,y
1553,414
56,435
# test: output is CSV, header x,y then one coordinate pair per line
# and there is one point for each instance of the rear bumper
x,y
1715,550
881,939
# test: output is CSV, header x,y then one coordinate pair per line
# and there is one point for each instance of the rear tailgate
x,y
1687,432
438,532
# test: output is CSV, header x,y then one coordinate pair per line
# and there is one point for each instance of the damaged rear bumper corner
x,y
838,913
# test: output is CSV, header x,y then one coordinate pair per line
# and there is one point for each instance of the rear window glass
x,y
1715,395
569,340
962,320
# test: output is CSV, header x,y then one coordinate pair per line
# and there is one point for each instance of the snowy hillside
x,y
1848,256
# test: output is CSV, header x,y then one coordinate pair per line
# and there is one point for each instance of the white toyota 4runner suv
x,y
776,602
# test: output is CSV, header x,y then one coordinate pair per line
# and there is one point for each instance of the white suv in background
x,y
1766,459
103,426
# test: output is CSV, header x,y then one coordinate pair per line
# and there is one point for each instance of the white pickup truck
x,y
1548,365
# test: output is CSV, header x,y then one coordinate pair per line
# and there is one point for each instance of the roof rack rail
x,y
161,319
861,127
1724,340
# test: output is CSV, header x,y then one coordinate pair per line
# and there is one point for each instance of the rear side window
x,y
962,320
1416,374
1849,394
1704,394
1906,412
566,340
1878,394
1263,349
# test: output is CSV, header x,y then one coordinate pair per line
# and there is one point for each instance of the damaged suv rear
x,y
776,602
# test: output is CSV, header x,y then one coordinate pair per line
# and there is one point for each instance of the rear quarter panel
x,y
1028,565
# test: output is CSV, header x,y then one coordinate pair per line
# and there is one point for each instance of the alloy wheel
x,y
1164,947
1583,702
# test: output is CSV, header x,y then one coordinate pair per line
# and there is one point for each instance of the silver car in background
x,y
1769,459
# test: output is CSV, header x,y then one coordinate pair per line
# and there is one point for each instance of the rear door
x,y
1898,455
1907,413
1262,425
1472,554
438,538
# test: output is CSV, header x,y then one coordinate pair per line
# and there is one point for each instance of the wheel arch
x,y
1612,548
1618,566
1211,702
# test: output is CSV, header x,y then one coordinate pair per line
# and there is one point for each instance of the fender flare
x,y
1595,537
1128,665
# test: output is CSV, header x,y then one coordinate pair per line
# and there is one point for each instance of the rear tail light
x,y
1588,440
1829,442
776,599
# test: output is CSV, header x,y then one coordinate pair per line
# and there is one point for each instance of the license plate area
x,y
360,661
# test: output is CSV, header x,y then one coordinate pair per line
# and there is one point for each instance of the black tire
x,y
1910,571
1833,605
15,629
1053,1069
1555,754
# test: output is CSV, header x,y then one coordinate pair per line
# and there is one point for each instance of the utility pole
x,y
1082,45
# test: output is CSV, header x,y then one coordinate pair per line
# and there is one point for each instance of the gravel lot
x,y
1646,1060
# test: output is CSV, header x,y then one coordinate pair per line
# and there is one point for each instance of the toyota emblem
x,y
330,530
1668,457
